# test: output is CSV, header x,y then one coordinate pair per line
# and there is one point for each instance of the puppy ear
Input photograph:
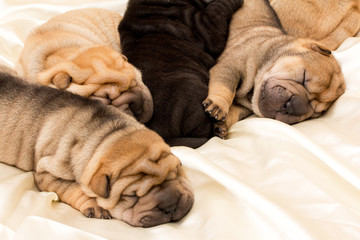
x,y
58,74
61,80
320,49
100,185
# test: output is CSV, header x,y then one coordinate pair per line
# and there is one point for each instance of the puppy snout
x,y
296,106
285,102
173,202
272,100
168,199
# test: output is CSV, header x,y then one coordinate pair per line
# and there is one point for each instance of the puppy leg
x,y
348,27
218,101
221,92
70,192
236,113
224,78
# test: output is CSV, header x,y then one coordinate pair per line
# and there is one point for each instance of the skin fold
x,y
265,71
174,44
96,158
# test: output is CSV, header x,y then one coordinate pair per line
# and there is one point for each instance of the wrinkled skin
x,y
174,44
297,88
140,182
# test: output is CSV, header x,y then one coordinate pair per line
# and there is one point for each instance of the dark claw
x,y
105,215
90,213
219,132
206,103
221,121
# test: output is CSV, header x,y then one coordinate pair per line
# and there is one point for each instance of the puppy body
x,y
270,73
96,158
79,51
175,43
329,22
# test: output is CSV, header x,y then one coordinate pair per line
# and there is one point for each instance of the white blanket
x,y
267,180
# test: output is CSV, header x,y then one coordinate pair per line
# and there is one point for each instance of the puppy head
x,y
302,83
100,73
138,180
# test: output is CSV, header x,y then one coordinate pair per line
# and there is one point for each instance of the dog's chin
x,y
283,100
167,202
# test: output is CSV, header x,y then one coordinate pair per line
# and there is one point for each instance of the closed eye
x,y
304,77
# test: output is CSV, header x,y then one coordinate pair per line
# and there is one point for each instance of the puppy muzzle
x,y
168,202
284,100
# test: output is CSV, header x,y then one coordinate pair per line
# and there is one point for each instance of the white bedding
x,y
268,180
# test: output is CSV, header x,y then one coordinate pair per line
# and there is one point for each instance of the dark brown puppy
x,y
174,43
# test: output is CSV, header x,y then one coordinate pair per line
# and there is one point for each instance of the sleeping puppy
x,y
270,73
330,21
174,43
96,158
79,51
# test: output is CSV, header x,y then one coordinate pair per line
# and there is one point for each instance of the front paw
x,y
96,212
220,130
215,110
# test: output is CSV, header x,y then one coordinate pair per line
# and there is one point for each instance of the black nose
x,y
296,106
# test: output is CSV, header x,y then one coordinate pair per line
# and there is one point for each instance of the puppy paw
x,y
215,110
220,130
96,212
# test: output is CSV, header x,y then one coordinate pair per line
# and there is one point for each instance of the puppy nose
x,y
173,203
168,199
296,106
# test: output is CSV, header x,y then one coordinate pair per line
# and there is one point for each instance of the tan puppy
x,y
79,51
98,159
270,73
330,21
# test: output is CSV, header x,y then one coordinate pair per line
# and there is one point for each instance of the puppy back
x,y
39,121
76,28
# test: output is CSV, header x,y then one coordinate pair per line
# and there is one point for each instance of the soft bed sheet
x,y
267,180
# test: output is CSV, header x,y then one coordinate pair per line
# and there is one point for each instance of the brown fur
x,y
79,51
97,159
330,22
270,73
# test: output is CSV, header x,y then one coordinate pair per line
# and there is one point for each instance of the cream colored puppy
x,y
265,71
97,159
330,22
79,51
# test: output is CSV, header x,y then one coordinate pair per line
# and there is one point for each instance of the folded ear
x,y
100,184
61,80
321,49
58,74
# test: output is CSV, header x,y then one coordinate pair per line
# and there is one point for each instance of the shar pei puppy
x,y
174,43
96,158
330,22
265,71
79,51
